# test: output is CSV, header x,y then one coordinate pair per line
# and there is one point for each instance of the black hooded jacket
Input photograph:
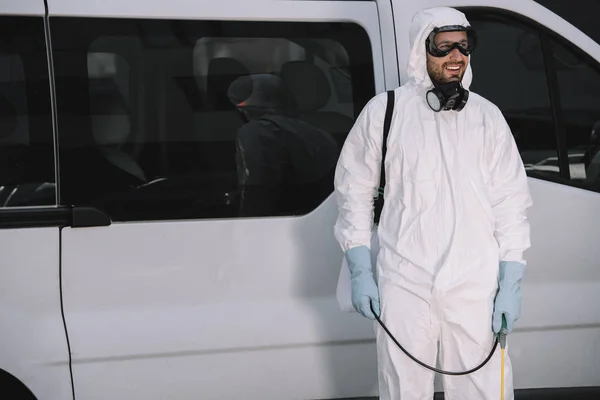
x,y
285,165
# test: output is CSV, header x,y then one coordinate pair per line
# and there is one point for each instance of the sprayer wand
x,y
502,341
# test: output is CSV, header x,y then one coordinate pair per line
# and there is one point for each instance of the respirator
x,y
447,96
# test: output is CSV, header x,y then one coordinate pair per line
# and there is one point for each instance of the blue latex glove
x,y
508,298
364,288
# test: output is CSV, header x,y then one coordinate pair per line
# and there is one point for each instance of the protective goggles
x,y
441,48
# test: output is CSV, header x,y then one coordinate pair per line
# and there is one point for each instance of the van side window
x,y
27,169
579,90
558,136
162,119
508,70
583,19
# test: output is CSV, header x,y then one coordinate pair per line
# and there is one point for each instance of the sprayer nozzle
x,y
502,333
502,338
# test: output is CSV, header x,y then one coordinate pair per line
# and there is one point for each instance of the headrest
x,y
307,83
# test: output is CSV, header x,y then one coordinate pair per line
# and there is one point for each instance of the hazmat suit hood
x,y
421,26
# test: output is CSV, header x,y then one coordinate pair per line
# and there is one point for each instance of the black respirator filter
x,y
447,96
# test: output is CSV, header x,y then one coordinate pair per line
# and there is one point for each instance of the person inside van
x,y
453,228
285,165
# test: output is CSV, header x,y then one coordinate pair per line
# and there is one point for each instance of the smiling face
x,y
451,67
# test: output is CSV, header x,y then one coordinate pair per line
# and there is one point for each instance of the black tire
x,y
13,388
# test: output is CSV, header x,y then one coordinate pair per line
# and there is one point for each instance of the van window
x,y
512,70
584,17
508,70
579,89
27,173
157,121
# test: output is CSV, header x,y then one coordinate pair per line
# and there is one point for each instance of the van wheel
x,y
17,390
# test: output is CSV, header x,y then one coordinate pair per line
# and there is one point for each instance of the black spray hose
x,y
425,365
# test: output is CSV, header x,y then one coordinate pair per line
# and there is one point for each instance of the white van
x,y
126,269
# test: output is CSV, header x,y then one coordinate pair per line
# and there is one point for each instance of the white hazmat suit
x,y
455,200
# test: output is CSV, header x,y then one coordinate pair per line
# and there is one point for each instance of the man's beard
x,y
437,73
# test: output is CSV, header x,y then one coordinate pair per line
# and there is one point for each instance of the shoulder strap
x,y
389,110
386,131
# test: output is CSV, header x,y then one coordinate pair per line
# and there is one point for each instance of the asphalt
x,y
592,393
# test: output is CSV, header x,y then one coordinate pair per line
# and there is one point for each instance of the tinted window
x,y
508,69
584,16
157,121
517,81
27,176
579,87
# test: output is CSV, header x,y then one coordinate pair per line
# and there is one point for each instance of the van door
x,y
188,289
34,358
544,74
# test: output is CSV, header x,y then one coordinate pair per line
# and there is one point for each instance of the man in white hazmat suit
x,y
453,229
